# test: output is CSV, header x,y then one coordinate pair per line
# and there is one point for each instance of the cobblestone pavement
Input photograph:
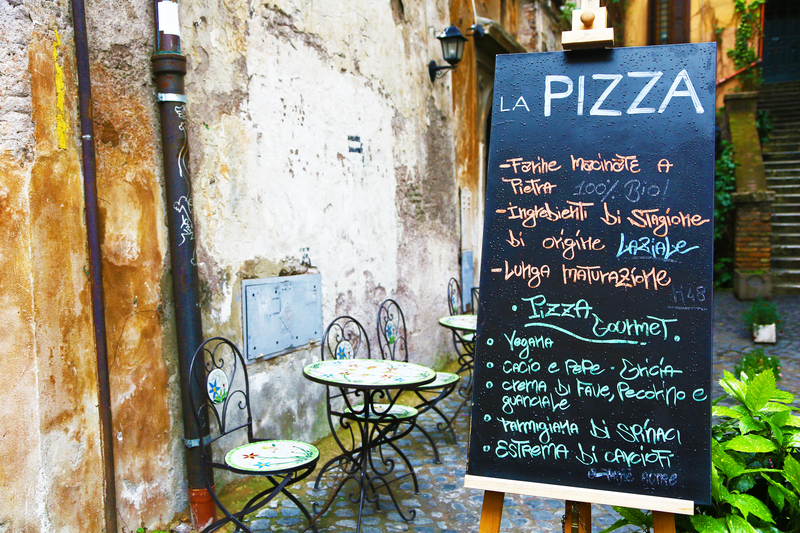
x,y
444,505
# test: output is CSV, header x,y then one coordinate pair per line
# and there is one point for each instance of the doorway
x,y
781,41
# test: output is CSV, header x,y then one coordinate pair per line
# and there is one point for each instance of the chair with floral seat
x,y
220,403
392,339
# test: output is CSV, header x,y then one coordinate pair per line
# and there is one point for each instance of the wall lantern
x,y
452,49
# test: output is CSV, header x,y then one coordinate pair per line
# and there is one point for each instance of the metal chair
x,y
392,339
388,421
464,343
220,403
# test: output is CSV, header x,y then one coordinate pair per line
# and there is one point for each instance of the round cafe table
x,y
376,422
465,323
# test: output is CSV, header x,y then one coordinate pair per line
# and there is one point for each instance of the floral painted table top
x,y
461,322
369,373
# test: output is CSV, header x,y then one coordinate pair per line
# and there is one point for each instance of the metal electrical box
x,y
281,314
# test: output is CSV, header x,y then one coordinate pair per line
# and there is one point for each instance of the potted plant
x,y
762,319
755,362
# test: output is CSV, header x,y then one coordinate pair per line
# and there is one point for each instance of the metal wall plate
x,y
281,314
467,279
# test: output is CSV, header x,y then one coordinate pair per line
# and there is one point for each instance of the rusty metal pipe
x,y
169,67
95,260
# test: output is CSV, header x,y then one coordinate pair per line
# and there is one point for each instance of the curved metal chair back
x,y
345,338
220,398
220,403
454,297
392,331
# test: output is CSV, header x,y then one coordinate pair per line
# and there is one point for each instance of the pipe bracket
x,y
171,97
195,443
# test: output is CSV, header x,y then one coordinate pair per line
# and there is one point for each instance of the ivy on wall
x,y
743,52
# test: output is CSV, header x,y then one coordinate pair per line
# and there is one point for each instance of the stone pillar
x,y
753,228
752,232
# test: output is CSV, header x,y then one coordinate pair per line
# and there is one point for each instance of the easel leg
x,y
492,511
663,522
578,517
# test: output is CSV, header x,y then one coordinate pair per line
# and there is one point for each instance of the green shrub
x,y
761,312
724,185
755,474
755,362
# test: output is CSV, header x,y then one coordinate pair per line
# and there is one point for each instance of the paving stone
x,y
267,513
459,506
261,525
466,518
289,521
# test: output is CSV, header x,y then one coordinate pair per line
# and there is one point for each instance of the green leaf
x,y
775,407
636,517
791,471
729,465
776,495
733,386
792,440
751,444
783,396
750,505
748,424
794,421
777,434
616,525
737,524
707,524
744,483
721,410
716,483
780,419
790,496
760,390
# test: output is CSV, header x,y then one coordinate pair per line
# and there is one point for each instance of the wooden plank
x,y
583,516
561,492
492,512
663,522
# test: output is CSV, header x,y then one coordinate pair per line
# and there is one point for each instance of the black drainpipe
x,y
169,66
95,260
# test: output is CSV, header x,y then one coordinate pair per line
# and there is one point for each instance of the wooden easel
x,y
589,30
575,514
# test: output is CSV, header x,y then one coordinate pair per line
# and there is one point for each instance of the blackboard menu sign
x,y
593,349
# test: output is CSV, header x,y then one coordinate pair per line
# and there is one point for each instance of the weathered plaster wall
x,y
52,480
315,126
148,453
532,24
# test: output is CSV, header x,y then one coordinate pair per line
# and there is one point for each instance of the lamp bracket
x,y
435,71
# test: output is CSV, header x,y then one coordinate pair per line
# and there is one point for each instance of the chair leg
x,y
250,507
